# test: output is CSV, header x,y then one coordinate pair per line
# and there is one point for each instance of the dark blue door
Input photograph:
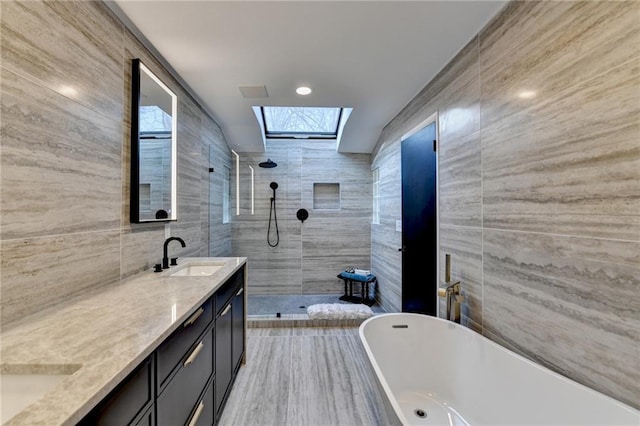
x,y
419,222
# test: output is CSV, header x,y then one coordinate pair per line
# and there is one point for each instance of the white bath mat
x,y
339,311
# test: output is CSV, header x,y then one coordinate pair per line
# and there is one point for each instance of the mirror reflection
x,y
153,142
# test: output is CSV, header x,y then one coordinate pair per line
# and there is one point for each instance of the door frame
x,y
433,118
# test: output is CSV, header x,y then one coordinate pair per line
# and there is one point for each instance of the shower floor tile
x,y
292,303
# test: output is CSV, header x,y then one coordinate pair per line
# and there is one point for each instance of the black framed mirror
x,y
153,147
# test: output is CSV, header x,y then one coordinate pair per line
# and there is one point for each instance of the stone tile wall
x,y
65,153
310,254
539,187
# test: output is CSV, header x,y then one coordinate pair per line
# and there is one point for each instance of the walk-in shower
x,y
305,247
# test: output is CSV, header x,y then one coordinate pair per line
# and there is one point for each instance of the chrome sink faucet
x,y
165,259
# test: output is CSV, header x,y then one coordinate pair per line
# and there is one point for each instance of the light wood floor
x,y
305,377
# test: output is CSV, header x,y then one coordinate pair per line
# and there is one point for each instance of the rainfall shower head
x,y
268,164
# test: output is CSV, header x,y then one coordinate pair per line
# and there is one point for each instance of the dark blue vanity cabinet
x,y
178,401
132,402
188,377
223,357
237,329
229,335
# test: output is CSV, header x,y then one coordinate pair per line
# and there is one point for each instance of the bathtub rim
x,y
392,400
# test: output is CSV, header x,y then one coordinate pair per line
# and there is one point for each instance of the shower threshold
x,y
269,306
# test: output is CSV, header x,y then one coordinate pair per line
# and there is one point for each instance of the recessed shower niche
x,y
326,196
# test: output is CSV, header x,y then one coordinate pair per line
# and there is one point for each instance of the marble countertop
x,y
101,336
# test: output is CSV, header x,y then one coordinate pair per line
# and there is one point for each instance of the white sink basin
x,y
17,391
197,269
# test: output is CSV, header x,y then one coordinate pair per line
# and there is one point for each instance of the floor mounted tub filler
x,y
435,372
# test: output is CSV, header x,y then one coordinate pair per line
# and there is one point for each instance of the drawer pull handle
x,y
193,355
240,292
196,415
226,310
193,317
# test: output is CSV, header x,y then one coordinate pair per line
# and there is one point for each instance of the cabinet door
x,y
228,290
237,312
203,414
130,398
181,395
147,419
223,349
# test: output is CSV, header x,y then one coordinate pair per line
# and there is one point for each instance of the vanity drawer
x,y
203,414
229,289
180,397
174,348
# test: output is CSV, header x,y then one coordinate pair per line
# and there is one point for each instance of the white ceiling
x,y
373,56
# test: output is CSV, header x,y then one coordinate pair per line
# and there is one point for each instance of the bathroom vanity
x,y
155,349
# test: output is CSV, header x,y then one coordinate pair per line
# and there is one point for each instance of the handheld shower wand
x,y
272,211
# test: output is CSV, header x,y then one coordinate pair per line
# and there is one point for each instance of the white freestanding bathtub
x,y
435,372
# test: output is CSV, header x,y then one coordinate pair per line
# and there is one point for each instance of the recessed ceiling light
x,y
303,90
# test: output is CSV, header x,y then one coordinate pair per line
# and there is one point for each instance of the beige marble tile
x,y
219,157
140,248
569,303
554,167
454,87
190,233
208,181
460,180
386,260
275,270
545,47
465,247
190,161
458,103
73,48
60,163
204,239
38,273
319,273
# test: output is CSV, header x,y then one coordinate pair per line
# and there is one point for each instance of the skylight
x,y
301,122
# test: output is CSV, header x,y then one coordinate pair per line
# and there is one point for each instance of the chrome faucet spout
x,y
165,258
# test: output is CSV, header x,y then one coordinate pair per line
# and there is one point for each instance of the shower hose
x,y
272,211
